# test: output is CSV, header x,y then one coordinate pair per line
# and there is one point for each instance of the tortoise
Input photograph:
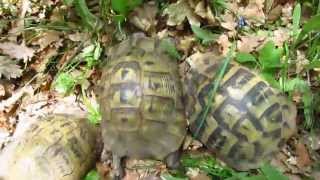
x,y
55,147
140,97
248,120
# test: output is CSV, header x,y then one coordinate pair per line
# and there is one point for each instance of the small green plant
x,y
92,175
69,77
89,20
94,115
204,35
170,48
122,9
65,83
218,6
209,165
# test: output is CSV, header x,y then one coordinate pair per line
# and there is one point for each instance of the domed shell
x,y
55,147
141,100
248,120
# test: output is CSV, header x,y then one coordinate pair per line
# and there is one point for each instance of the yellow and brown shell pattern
x,y
248,120
55,147
141,101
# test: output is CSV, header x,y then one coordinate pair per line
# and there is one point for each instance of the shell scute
x,y
248,120
143,114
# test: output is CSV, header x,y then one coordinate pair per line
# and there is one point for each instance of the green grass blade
x,y
170,48
213,90
313,24
204,35
296,20
89,20
271,173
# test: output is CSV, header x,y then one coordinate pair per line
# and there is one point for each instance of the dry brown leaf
x,y
186,43
42,61
205,12
144,17
47,38
17,51
275,13
43,104
9,68
77,37
16,96
280,36
178,12
18,25
131,175
2,90
249,43
224,44
287,13
253,12
301,62
229,22
303,157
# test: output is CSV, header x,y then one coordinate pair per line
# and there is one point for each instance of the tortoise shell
x,y
141,100
55,147
248,120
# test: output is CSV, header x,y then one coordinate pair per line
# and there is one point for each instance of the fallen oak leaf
x,y
253,12
16,96
249,43
303,157
228,22
224,44
9,68
17,51
47,38
178,12
144,17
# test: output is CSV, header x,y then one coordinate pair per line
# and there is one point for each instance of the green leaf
x,y
97,51
167,176
313,24
269,56
207,164
218,5
170,48
296,20
314,64
295,84
92,175
68,2
271,173
245,57
64,83
269,76
90,21
204,35
124,6
308,109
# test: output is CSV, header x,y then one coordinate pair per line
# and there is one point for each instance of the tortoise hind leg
x,y
173,159
118,171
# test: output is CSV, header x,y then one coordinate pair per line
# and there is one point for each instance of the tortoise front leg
x,y
173,159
